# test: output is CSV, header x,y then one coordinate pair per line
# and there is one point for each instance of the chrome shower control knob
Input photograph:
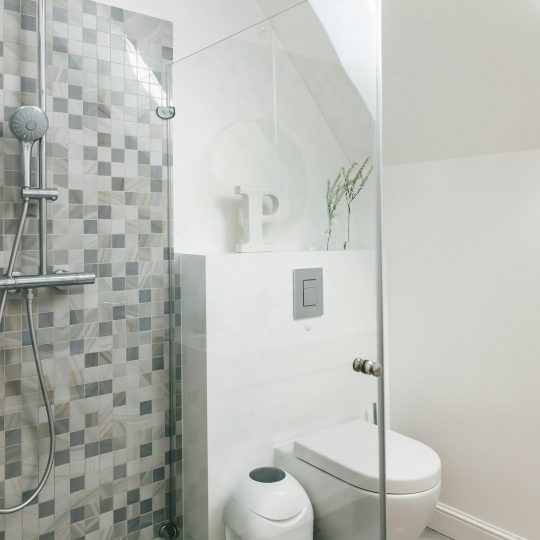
x,y
368,367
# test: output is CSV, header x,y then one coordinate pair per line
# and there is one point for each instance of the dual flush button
x,y
308,293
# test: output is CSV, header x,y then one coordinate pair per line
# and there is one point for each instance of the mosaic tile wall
x,y
104,346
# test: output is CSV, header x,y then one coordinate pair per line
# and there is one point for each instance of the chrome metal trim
x,y
173,397
48,280
367,367
39,193
42,83
381,381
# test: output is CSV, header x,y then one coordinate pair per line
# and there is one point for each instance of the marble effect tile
x,y
105,346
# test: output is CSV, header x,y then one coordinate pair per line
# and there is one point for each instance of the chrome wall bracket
x,y
165,112
168,530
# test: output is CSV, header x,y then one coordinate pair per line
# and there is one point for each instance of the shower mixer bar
x,y
48,280
39,193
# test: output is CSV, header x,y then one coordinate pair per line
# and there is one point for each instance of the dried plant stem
x,y
352,186
334,194
348,226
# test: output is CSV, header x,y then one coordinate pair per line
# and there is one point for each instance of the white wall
x,y
463,244
268,377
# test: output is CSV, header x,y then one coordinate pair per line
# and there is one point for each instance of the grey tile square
x,y
91,450
76,514
46,508
117,14
60,45
12,5
61,457
119,515
12,470
75,92
28,23
76,438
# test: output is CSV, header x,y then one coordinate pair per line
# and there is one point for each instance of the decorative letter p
x,y
253,217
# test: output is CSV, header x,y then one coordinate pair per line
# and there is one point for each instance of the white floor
x,y
432,535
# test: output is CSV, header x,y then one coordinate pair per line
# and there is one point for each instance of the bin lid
x,y
350,452
271,494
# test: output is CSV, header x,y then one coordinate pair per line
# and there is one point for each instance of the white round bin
x,y
268,503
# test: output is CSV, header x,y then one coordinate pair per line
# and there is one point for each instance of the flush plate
x,y
307,293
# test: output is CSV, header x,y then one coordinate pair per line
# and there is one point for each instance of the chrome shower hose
x,y
29,297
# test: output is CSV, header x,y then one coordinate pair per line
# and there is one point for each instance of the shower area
x,y
84,252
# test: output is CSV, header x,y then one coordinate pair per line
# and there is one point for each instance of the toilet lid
x,y
350,451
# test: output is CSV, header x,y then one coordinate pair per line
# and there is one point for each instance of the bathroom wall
x,y
104,347
255,377
461,224
463,332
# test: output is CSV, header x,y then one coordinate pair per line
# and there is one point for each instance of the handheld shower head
x,y
29,124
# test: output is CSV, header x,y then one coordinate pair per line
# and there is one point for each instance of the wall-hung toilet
x,y
339,469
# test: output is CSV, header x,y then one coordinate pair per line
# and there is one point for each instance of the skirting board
x,y
461,526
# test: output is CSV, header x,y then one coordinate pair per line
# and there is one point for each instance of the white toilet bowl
x,y
339,469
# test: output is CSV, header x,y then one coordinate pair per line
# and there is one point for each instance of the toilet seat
x,y
350,452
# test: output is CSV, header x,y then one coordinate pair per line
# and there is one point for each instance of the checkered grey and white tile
x,y
104,346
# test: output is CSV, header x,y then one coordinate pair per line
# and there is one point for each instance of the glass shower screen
x,y
275,209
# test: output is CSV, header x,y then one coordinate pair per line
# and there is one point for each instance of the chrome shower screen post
x,y
42,89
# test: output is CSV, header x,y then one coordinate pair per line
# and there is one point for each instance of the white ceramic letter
x,y
253,217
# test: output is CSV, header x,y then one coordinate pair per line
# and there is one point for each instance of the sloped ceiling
x,y
460,78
